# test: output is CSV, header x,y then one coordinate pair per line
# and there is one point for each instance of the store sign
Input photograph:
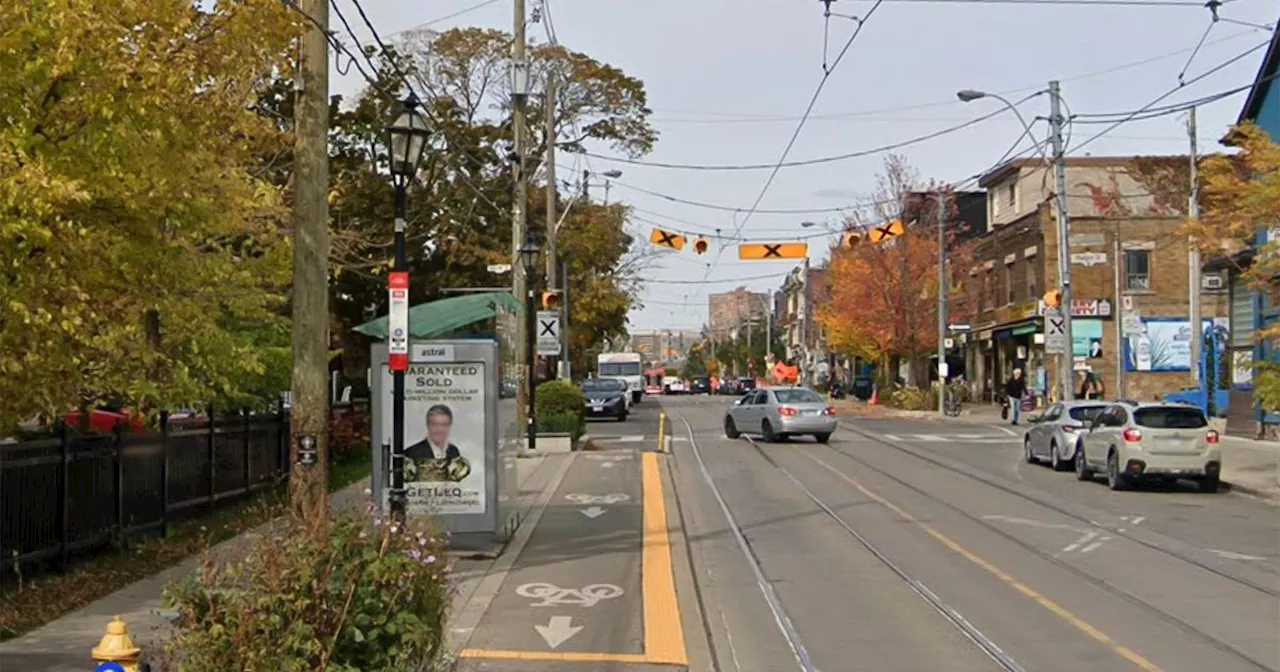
x,y
1091,308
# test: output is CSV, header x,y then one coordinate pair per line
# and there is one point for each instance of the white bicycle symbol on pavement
x,y
552,595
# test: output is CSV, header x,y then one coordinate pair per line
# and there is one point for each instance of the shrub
x,y
557,398
366,596
911,398
348,434
561,423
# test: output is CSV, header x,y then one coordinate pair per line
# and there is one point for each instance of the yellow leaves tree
x,y
143,261
1240,196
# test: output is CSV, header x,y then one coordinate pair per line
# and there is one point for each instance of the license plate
x,y
597,408
808,413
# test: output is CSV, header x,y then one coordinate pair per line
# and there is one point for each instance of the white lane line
x,y
1006,430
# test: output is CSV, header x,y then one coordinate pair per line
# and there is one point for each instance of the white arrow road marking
x,y
892,437
606,465
618,457
558,630
1231,555
593,512
1135,520
613,498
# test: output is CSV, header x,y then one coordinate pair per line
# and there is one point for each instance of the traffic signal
x,y
551,300
1053,298
700,245
850,239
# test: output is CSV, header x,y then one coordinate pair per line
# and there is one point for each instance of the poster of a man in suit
x,y
445,432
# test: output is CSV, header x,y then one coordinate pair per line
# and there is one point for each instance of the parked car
x,y
728,387
745,384
780,412
700,385
1055,434
103,419
1130,443
672,385
606,397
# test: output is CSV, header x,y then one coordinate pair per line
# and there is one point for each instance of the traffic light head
x,y
551,300
700,245
850,239
1053,298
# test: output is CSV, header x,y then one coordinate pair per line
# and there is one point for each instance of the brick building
x,y
1119,262
728,311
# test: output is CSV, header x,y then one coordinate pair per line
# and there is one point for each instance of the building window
x,y
1011,193
1137,270
995,205
1031,281
1011,294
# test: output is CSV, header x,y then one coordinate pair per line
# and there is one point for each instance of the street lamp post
x,y
608,175
406,138
1066,366
529,259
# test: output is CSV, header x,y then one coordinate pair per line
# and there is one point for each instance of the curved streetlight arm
x,y
970,95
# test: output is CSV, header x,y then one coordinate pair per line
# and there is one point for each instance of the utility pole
x,y
942,302
566,371
520,287
804,324
553,223
1066,367
309,415
1193,263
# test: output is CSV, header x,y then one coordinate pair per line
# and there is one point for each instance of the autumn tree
x,y
144,258
1240,196
884,295
459,219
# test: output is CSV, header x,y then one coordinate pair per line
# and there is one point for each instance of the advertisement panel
x,y
444,430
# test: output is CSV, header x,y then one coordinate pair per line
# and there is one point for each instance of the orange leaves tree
x,y
1240,196
884,295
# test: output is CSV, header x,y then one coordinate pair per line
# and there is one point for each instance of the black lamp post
x,y
529,259
406,138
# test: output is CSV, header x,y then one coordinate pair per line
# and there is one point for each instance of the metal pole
x,y
398,496
804,325
549,121
530,308
565,372
1066,371
1193,262
519,219
942,302
1115,250
308,414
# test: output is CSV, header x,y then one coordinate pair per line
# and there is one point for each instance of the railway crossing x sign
x,y
1055,332
548,333
773,250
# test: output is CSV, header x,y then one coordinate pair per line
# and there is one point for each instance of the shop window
x,y
1137,270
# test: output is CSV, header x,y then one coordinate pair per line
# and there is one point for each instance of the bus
x,y
625,366
653,379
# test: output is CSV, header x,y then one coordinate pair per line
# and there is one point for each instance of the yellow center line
x,y
1079,623
663,630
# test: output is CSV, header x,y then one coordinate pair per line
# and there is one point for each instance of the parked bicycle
x,y
954,395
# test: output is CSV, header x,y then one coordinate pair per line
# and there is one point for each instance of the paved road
x,y
915,546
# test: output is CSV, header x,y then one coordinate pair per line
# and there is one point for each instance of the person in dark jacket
x,y
1015,389
435,458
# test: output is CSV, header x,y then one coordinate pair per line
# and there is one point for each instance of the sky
x,y
728,82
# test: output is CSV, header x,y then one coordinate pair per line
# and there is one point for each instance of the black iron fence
x,y
75,494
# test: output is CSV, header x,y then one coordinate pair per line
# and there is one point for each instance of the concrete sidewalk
x,y
63,645
1248,465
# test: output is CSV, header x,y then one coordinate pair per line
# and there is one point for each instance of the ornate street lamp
x,y
529,260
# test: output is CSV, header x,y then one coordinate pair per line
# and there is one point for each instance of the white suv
x,y
1130,442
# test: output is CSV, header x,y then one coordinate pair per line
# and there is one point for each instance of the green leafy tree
x,y
144,254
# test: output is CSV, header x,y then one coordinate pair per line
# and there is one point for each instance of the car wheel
x,y
1026,451
766,430
1054,460
730,429
622,417
1083,472
1208,484
1115,480
822,438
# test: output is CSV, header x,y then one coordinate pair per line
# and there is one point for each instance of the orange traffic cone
x,y
875,397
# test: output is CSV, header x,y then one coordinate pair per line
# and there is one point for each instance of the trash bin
x,y
863,387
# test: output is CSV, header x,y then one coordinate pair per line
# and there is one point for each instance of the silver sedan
x,y
1055,434
779,412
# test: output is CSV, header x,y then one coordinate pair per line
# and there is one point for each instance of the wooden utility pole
x,y
519,224
553,264
308,448
1193,265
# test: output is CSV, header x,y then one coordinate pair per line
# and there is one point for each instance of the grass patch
x,y
50,596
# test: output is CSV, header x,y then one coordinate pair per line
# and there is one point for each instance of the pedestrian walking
x,y
1015,389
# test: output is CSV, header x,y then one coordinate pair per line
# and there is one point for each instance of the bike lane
x,y
594,583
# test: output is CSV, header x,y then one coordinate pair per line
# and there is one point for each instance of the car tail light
x,y
1069,429
1132,435
829,411
1211,437
786,410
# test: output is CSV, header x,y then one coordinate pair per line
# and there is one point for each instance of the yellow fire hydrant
x,y
117,647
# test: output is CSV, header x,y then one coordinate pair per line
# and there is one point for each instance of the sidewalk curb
x,y
1271,496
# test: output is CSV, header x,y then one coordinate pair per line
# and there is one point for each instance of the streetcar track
x,y
988,479
979,639
1110,588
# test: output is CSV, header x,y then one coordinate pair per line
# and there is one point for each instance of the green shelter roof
x,y
437,318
